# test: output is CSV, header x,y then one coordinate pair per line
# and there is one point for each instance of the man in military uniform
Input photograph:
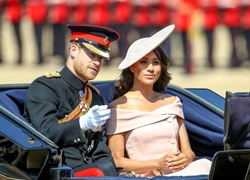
x,y
67,109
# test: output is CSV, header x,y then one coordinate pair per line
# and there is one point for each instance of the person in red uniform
x,y
230,10
159,15
121,16
13,13
78,11
245,25
37,11
100,15
58,17
2,6
160,18
141,17
210,22
182,18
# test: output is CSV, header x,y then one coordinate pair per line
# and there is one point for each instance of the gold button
x,y
78,139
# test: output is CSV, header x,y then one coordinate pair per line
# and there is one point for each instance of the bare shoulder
x,y
128,102
169,98
119,102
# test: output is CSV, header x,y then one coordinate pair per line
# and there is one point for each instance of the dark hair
x,y
125,80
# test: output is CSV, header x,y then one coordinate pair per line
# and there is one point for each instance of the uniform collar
x,y
71,79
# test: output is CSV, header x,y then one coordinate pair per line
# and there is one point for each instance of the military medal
x,y
84,106
84,99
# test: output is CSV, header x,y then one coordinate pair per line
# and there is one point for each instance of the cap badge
x,y
105,41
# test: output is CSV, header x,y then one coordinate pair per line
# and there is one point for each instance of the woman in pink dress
x,y
146,130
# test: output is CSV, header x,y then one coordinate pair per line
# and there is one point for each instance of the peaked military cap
x,y
96,39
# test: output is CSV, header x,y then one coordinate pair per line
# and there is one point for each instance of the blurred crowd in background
x,y
132,19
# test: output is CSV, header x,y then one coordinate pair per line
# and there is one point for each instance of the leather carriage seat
x,y
237,120
13,101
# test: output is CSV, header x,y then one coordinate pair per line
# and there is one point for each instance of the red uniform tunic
x,y
160,15
100,14
79,11
121,16
231,13
184,10
245,15
59,12
13,10
142,15
211,13
37,10
122,12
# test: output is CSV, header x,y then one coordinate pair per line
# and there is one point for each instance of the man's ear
x,y
73,51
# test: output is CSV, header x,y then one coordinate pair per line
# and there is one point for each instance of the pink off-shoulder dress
x,y
151,135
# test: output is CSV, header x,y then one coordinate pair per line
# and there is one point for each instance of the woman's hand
x,y
174,161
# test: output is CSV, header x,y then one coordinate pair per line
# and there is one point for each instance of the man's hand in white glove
x,y
95,117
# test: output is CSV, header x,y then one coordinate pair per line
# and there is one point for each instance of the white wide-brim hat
x,y
143,46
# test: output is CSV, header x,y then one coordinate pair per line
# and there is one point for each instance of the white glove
x,y
95,117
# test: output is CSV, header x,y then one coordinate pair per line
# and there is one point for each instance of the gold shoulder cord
x,y
54,74
94,88
81,108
